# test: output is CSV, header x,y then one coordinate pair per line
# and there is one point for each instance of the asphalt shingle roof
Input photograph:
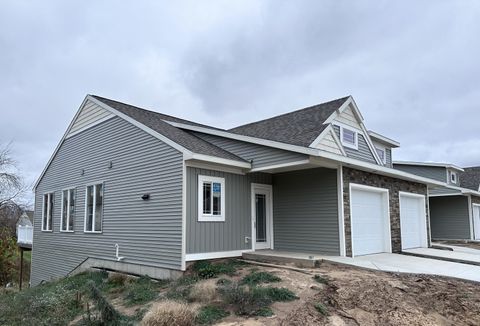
x,y
155,121
299,127
470,178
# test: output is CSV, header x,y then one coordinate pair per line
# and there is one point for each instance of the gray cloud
x,y
412,66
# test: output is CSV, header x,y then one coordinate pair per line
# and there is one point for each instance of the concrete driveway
x,y
453,254
410,264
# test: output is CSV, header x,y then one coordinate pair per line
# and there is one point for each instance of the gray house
x,y
147,193
455,208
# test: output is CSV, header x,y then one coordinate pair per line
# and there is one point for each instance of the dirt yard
x,y
353,296
468,244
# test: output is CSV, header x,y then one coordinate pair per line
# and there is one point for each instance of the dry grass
x,y
171,313
204,292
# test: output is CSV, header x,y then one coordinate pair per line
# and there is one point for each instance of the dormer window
x,y
453,177
349,137
381,154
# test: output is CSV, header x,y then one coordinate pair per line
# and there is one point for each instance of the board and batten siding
x,y
260,155
149,232
433,172
449,217
205,237
305,211
363,153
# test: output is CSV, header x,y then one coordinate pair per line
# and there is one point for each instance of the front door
x,y
476,221
262,216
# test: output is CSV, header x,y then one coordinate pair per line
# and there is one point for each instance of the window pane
x,y
50,213
261,217
45,211
207,198
381,153
64,210
71,209
349,136
98,207
89,217
217,195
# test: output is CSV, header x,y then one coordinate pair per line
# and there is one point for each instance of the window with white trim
x,y
349,137
94,208
453,177
68,210
47,211
381,154
211,199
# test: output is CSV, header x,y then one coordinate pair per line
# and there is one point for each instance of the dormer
x,y
444,172
383,146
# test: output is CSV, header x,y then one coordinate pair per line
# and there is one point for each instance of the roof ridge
x,y
292,112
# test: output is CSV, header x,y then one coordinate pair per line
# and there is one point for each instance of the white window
x,y
68,210
349,137
453,177
47,211
211,199
381,154
94,208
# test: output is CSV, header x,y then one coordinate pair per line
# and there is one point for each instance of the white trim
x,y
434,164
341,212
355,136
269,189
476,227
99,121
280,166
384,149
94,185
215,255
381,138
424,214
213,159
202,217
323,134
338,111
471,218
214,167
453,175
386,198
50,210
184,216
337,141
446,194
319,138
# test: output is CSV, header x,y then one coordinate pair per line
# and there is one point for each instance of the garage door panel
x,y
413,221
369,222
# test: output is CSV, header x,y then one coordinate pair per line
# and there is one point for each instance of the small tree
x,y
8,256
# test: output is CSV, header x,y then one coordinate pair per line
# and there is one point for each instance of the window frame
x,y
348,144
384,150
453,177
94,184
68,209
201,217
50,211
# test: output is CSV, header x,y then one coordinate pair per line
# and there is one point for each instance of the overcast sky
x,y
413,67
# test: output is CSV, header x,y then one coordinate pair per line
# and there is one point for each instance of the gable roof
x,y
299,127
470,178
155,121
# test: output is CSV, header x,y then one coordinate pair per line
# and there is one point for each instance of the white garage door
x,y
369,220
413,221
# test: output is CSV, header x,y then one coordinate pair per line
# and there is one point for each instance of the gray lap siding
x,y
149,232
394,186
450,217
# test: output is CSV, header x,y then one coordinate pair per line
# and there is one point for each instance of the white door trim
x,y
269,189
386,199
476,226
424,214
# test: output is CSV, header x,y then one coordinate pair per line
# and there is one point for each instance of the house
x,y
147,193
455,208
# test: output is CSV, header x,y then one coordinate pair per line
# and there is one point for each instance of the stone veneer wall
x,y
475,200
394,186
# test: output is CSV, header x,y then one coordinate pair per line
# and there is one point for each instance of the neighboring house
x,y
143,192
455,208
26,219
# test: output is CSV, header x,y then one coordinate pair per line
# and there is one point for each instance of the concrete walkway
x,y
410,264
458,254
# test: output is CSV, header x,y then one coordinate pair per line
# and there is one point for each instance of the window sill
x,y
352,146
210,218
47,231
66,231
93,232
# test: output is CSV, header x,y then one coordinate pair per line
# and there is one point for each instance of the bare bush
x,y
204,292
171,313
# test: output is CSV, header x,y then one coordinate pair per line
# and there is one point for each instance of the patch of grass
x,y
264,312
274,294
224,282
255,278
206,269
142,290
320,279
321,308
204,292
210,314
180,289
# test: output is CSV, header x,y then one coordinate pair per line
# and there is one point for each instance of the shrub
x,y
255,278
142,290
8,257
320,279
206,269
108,314
264,312
117,279
321,308
170,313
204,292
210,314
